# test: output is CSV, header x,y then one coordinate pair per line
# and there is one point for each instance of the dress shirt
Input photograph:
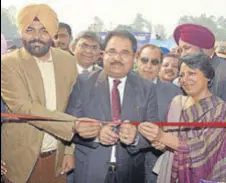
x,y
80,69
46,68
121,88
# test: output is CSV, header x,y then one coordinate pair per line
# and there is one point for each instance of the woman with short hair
x,y
192,154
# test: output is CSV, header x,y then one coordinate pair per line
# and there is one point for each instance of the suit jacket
x,y
2,108
165,93
219,66
23,91
91,98
222,89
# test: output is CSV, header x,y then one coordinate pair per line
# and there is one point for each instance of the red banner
x,y
22,117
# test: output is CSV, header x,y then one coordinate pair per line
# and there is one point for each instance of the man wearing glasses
x,y
86,48
116,94
149,60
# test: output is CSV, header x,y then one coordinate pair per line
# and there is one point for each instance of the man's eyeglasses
x,y
87,46
145,60
123,54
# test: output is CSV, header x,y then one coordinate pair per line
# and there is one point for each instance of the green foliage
x,y
135,67
140,24
160,30
97,25
216,24
8,23
125,27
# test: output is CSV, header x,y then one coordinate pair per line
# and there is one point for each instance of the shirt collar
x,y
213,56
123,80
80,68
155,80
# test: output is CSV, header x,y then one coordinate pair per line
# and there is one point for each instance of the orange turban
x,y
43,12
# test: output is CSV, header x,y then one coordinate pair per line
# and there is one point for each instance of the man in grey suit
x,y
117,154
86,48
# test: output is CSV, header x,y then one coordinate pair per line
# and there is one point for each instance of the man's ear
x,y
101,53
72,48
136,57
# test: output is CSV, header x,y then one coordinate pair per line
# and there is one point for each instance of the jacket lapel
x,y
34,75
104,94
131,105
59,79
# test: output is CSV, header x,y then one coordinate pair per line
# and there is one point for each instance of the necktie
x,y
84,75
115,101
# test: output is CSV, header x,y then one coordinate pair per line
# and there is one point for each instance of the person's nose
x,y
118,56
149,65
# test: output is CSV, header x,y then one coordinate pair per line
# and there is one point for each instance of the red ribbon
x,y
24,117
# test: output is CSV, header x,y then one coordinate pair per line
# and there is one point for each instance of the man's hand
x,y
158,145
151,131
127,133
87,128
68,163
107,135
3,169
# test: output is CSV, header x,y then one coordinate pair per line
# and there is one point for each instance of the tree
x,y
125,27
160,32
216,25
8,23
97,25
141,24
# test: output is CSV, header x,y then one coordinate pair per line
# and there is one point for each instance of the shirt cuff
x,y
136,140
96,140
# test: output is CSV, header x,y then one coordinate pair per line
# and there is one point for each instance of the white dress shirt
x,y
121,88
81,69
48,76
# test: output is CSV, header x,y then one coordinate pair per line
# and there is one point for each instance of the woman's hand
x,y
158,145
151,131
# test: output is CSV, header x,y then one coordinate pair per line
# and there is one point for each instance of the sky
x,y
79,13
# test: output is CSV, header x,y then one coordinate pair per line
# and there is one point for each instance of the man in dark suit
x,y
149,60
218,85
222,89
114,94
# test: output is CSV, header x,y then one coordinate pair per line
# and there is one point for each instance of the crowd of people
x,y
88,87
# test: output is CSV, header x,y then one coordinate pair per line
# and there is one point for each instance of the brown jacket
x,y
23,91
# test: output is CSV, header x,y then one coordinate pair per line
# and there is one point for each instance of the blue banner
x,y
145,38
142,37
169,44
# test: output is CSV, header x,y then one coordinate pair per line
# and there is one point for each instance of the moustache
x,y
37,41
115,63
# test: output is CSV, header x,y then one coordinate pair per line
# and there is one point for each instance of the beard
x,y
37,50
